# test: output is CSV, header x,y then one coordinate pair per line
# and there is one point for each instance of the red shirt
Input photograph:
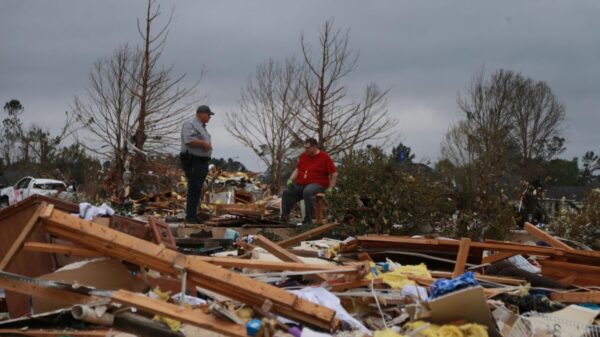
x,y
314,169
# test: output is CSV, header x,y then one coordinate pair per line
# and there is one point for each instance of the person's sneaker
x,y
284,219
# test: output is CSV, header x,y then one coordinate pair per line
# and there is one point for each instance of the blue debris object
x,y
444,286
252,327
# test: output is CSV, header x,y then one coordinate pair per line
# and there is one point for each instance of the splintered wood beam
x,y
546,237
275,249
307,235
57,332
28,286
195,317
280,252
55,248
497,257
576,297
229,262
24,235
461,257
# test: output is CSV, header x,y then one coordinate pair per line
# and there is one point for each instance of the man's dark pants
x,y
295,193
196,170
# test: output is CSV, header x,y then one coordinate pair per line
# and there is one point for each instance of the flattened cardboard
x,y
102,274
466,304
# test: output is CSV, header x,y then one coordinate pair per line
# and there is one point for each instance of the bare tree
x,y
135,104
339,123
161,97
266,114
455,146
537,117
108,114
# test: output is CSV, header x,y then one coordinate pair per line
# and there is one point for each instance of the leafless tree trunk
x,y
161,107
109,113
266,115
338,123
133,104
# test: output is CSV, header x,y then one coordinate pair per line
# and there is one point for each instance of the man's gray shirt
x,y
191,130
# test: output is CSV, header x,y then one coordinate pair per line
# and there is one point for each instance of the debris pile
x,y
67,276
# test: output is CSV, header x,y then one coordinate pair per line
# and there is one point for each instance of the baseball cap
x,y
205,109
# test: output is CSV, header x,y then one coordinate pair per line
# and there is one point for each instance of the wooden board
x,y
461,257
307,235
23,236
546,237
576,297
191,316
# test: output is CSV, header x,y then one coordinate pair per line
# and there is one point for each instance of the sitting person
x,y
314,173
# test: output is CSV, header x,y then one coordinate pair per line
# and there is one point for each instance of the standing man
x,y
196,150
314,173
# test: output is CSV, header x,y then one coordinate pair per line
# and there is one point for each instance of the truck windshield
x,y
49,186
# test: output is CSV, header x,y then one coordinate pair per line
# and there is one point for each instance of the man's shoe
x,y
284,219
193,221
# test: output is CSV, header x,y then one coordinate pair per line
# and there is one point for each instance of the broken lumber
x,y
461,257
23,236
576,297
192,316
270,265
280,252
546,237
43,289
233,285
55,248
307,235
497,257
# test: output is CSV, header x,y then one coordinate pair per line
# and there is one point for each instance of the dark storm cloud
x,y
426,51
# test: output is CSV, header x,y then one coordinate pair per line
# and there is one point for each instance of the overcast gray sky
x,y
426,51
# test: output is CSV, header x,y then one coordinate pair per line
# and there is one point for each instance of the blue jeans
x,y
196,170
292,195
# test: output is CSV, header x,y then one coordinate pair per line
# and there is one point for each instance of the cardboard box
x,y
463,305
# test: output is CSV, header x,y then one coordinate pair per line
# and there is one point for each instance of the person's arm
x,y
332,180
200,143
294,175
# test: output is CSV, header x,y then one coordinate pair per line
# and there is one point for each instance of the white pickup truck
x,y
29,186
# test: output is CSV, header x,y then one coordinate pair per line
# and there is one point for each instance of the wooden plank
x,y
546,237
191,316
579,274
497,257
55,248
377,241
233,285
18,243
58,332
228,262
281,253
461,257
576,297
307,235
275,249
27,287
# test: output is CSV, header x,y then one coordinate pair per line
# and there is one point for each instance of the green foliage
x,y
583,226
387,197
561,172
